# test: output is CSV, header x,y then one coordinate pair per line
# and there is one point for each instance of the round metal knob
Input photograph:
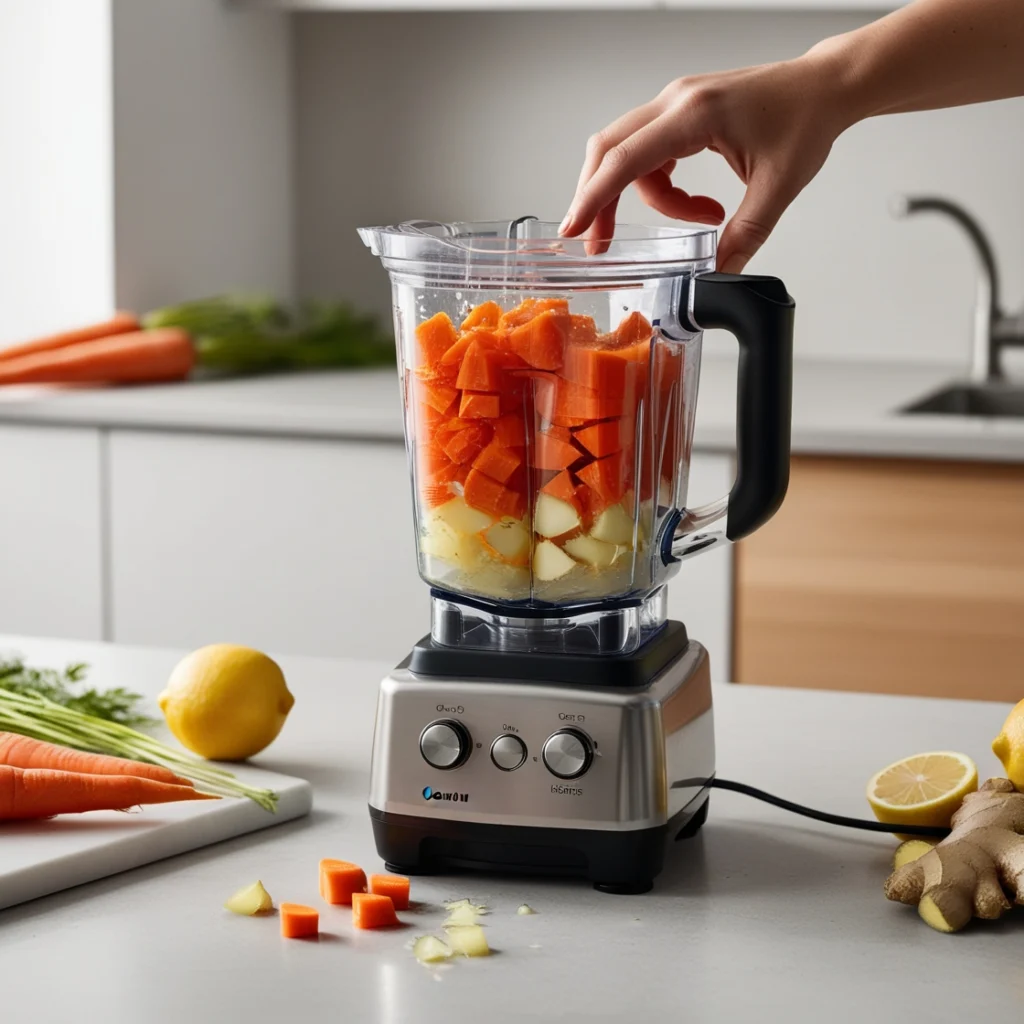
x,y
508,752
444,744
567,754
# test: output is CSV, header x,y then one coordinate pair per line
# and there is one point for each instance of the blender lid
x,y
529,242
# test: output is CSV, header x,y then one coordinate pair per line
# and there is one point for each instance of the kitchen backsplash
x,y
479,115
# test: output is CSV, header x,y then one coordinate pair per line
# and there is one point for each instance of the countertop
x,y
763,917
844,408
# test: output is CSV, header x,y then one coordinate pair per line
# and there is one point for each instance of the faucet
x,y
994,330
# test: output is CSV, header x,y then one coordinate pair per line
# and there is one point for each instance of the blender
x,y
554,720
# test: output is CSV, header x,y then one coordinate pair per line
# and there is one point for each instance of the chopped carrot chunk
x,y
490,496
540,342
610,477
479,405
434,337
498,462
510,430
299,921
340,880
373,910
465,444
607,436
530,308
481,368
551,452
486,314
394,886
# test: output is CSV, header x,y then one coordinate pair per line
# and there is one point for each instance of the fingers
x,y
598,145
762,206
658,192
647,149
599,235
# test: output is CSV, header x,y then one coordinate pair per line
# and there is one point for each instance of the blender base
x,y
620,863
529,775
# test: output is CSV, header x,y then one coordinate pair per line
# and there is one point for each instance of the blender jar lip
x,y
528,242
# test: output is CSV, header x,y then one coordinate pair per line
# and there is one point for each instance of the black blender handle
x,y
759,312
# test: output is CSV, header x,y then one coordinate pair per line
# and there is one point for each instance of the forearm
x,y
930,54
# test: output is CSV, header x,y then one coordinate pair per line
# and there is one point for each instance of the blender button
x,y
508,752
444,744
567,754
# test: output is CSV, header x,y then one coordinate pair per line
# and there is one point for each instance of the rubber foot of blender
x,y
694,822
405,869
627,889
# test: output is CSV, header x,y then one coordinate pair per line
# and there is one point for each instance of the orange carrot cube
x,y
540,342
530,308
486,314
479,405
372,910
434,337
394,886
340,881
498,462
299,921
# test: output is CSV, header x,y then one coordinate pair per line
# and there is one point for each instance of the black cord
x,y
831,819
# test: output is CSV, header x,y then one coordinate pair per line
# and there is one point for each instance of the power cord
x,y
831,819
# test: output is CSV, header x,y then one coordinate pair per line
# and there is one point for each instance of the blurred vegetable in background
x,y
256,334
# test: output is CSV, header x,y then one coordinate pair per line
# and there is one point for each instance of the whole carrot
x,y
43,792
162,354
119,323
24,752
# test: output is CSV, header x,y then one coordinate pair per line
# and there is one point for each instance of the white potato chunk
x,y
253,899
468,939
550,562
552,517
614,526
510,538
593,552
461,518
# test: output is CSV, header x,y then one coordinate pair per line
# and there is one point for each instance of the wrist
x,y
838,78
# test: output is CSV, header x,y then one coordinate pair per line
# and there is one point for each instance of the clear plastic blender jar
x,y
549,388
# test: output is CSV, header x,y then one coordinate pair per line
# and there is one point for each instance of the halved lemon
x,y
925,789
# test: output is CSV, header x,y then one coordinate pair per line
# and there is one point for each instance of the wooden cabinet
x,y
889,576
51,540
295,546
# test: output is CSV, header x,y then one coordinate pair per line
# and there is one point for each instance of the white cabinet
x,y
296,546
51,538
701,593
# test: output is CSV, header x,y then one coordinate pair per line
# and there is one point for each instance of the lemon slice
x,y
925,789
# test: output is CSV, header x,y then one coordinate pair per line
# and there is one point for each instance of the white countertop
x,y
764,917
844,408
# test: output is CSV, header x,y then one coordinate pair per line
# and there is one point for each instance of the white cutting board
x,y
41,857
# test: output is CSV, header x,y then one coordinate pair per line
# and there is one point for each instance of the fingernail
x,y
564,226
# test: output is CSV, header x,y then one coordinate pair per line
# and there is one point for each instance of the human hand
x,y
774,125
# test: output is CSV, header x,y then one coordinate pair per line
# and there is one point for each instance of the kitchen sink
x,y
995,399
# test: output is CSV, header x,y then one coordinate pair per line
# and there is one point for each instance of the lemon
x,y
226,702
925,789
1008,746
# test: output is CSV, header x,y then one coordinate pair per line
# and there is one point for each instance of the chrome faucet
x,y
994,330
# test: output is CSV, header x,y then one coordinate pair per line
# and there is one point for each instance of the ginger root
x,y
973,870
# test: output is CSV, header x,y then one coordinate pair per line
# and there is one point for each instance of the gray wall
x,y
485,115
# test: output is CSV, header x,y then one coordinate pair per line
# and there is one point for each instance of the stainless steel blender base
x,y
542,778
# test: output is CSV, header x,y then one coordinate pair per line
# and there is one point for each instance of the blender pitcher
x,y
549,399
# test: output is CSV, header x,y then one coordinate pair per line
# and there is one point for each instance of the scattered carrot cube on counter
x,y
299,922
394,886
373,910
340,881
